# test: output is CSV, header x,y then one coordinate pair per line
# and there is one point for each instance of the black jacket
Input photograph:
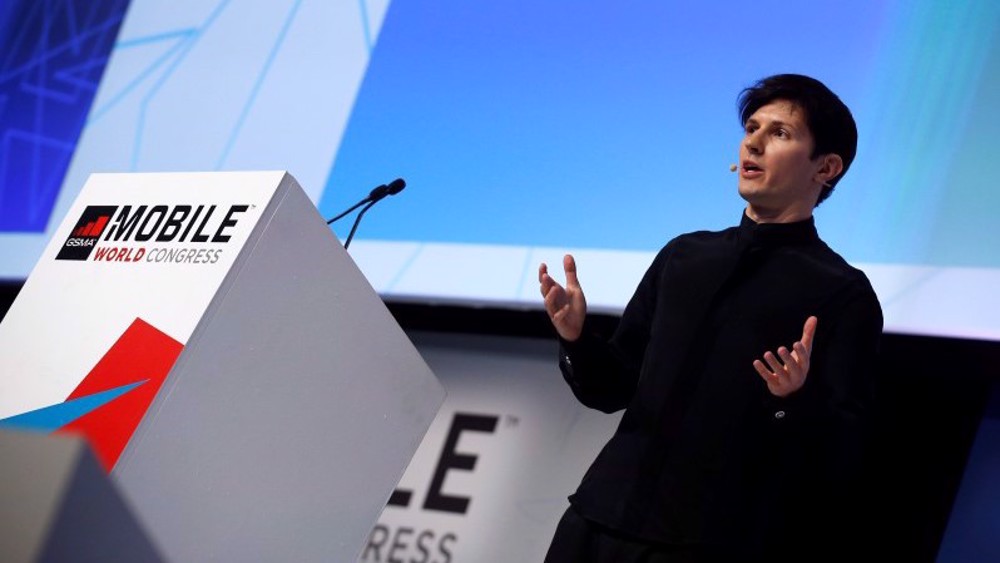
x,y
704,453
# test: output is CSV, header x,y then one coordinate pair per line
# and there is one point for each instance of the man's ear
x,y
831,165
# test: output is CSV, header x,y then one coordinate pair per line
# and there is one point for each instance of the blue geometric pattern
x,y
54,417
52,56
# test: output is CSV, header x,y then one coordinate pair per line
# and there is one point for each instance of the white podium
x,y
226,358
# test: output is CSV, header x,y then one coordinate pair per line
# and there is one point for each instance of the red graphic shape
x,y
141,353
99,226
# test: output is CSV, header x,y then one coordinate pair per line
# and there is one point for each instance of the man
x,y
745,364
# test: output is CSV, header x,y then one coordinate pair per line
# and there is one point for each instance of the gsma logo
x,y
87,231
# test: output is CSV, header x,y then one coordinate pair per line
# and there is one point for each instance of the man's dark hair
x,y
830,122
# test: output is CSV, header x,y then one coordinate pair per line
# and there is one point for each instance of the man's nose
x,y
753,142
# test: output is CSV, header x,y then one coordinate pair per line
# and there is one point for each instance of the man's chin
x,y
751,194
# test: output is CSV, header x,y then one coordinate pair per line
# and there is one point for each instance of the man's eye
x,y
781,133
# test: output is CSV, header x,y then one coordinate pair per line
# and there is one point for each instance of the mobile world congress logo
x,y
84,236
177,234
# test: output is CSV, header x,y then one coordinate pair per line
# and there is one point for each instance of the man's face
x,y
777,178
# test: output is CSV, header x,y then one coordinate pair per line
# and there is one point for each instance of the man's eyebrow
x,y
780,123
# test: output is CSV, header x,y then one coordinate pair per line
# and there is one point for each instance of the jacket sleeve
x,y
603,373
849,371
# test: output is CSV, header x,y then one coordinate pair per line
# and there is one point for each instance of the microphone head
x,y
378,192
732,168
396,186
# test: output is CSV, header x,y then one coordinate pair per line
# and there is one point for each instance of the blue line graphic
x,y
187,46
256,86
52,418
363,7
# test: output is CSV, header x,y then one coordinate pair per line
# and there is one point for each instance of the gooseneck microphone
x,y
392,188
377,194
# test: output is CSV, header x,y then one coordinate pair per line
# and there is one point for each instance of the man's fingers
x,y
801,352
785,356
546,286
772,361
560,313
793,367
763,371
569,264
788,374
547,283
808,331
553,296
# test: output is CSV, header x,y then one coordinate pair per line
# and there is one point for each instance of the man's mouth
x,y
750,170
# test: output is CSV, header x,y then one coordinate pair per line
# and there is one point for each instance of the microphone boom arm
x,y
376,195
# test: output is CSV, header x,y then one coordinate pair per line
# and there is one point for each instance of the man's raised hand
x,y
566,306
788,375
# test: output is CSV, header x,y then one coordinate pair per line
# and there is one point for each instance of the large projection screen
x,y
524,130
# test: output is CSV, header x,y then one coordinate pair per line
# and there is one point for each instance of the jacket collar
x,y
777,234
